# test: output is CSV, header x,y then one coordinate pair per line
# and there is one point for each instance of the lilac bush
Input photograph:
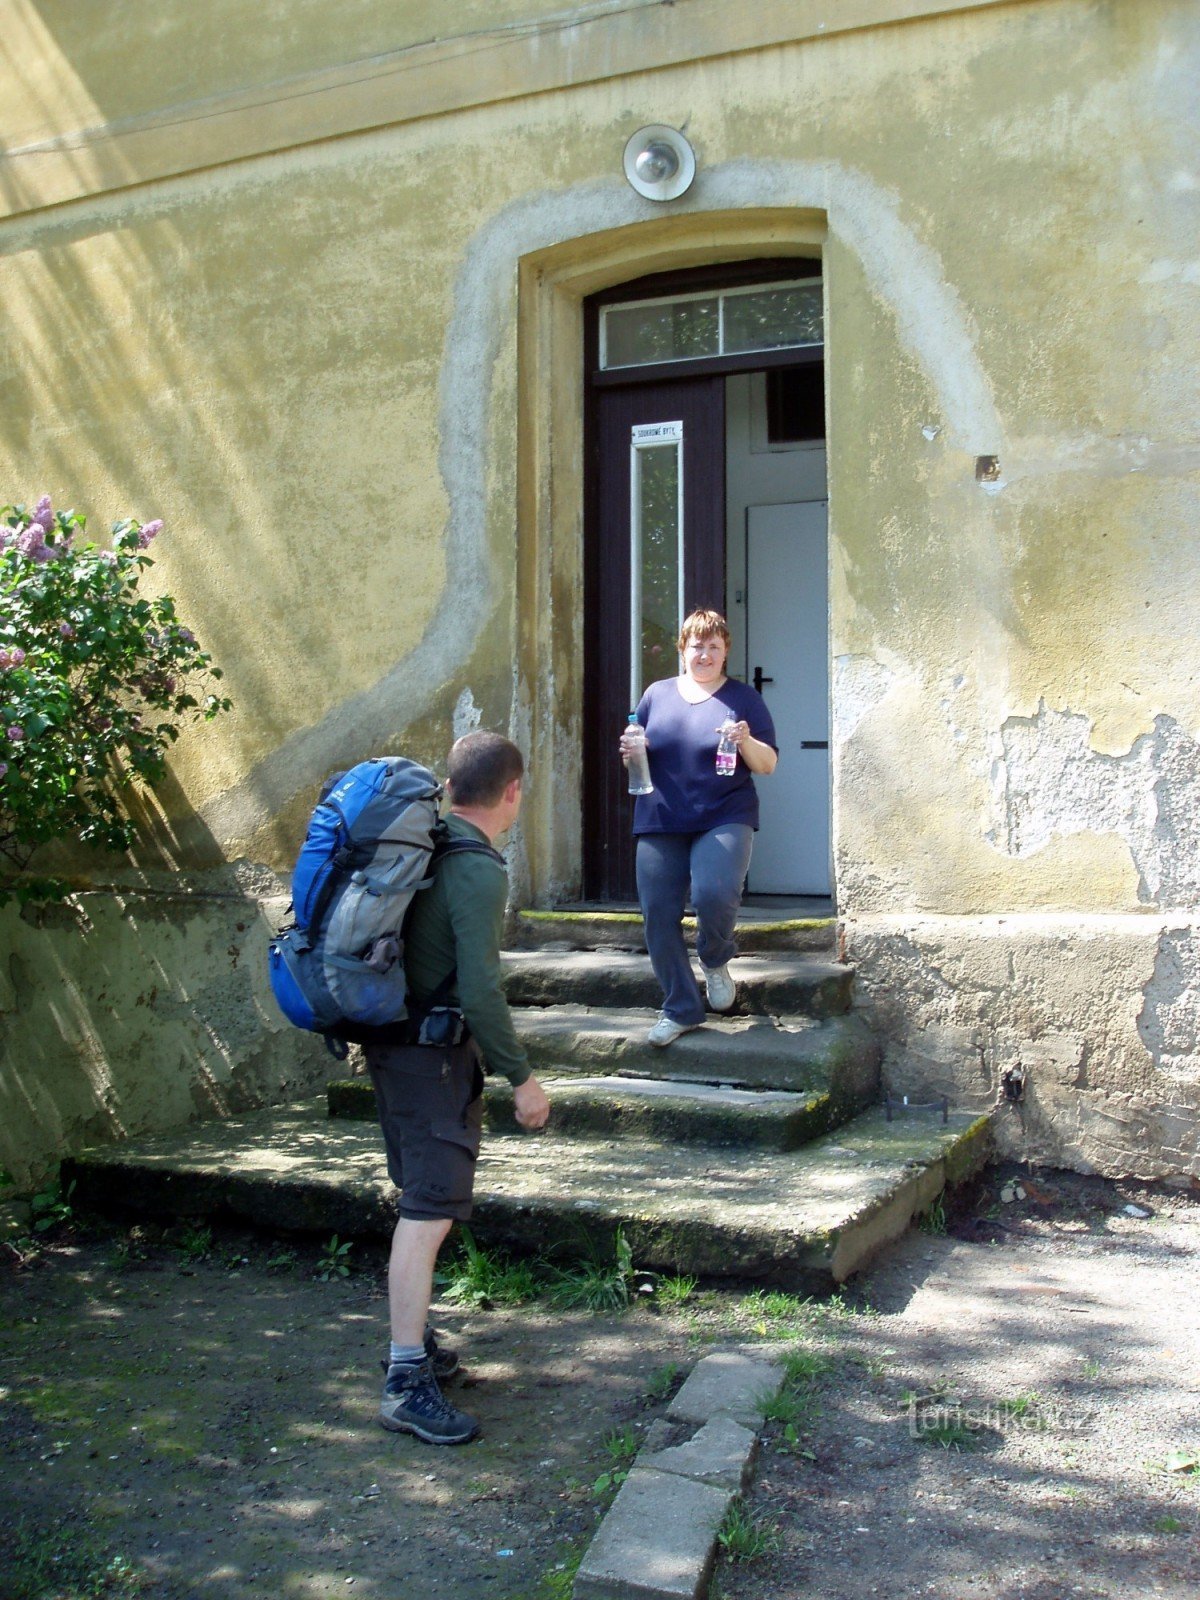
x,y
96,679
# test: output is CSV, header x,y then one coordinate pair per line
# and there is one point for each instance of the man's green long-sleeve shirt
x,y
456,925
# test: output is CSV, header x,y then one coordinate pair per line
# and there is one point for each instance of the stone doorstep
x,y
615,1107
803,1220
622,930
839,1054
657,1540
767,985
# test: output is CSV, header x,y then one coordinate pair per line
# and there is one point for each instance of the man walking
x,y
430,1095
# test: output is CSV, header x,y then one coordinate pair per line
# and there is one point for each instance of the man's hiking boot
x,y
443,1361
413,1403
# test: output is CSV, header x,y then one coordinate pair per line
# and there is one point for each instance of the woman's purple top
x,y
688,795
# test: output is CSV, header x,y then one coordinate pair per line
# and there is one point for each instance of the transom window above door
x,y
712,323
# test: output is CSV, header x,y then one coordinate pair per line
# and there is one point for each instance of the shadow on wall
x,y
142,1005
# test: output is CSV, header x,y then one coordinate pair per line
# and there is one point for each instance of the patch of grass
x,y
477,1277
332,1262
934,1220
51,1207
950,1435
665,1381
558,1583
775,1315
65,1564
1091,1369
194,1242
804,1366
1167,1525
594,1284
285,1261
1024,1408
621,1446
744,1537
675,1291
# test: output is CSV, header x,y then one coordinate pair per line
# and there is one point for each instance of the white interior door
x,y
787,640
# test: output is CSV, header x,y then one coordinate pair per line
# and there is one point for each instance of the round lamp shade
x,y
659,162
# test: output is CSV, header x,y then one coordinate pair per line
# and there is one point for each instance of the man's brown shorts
x,y
431,1112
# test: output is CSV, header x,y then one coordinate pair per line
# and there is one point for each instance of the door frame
x,y
606,853
553,284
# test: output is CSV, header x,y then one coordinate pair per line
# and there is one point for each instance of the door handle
x,y
814,744
759,680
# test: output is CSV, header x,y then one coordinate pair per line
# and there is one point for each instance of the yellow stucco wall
x,y
306,361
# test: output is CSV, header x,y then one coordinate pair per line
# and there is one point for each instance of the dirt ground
x,y
179,1421
1045,1350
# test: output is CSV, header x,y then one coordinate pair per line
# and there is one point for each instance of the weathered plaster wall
x,y
307,362
126,1013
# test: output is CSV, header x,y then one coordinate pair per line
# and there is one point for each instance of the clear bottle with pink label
x,y
727,753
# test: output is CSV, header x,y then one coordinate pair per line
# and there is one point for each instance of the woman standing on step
x,y
697,826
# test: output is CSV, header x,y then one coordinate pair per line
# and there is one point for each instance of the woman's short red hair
x,y
703,624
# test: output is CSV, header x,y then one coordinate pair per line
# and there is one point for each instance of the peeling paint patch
x,y
1169,1023
1049,782
467,715
860,683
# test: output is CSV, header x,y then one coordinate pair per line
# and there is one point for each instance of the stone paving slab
x,y
726,1384
656,1542
721,1452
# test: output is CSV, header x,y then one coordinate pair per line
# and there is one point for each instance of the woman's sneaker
x,y
719,987
413,1403
666,1030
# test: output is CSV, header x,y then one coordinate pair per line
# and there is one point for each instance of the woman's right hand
x,y
630,738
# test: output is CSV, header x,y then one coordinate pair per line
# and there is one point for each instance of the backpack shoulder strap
x,y
444,845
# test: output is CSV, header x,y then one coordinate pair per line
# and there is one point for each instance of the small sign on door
x,y
656,432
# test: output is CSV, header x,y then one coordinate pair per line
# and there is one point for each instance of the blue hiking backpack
x,y
372,843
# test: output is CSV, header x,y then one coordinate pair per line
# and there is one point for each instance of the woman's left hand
x,y
739,732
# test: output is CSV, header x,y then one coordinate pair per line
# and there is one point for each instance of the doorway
x,y
705,472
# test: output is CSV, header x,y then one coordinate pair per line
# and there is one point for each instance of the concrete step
x,y
619,1108
838,1055
787,984
804,1220
622,930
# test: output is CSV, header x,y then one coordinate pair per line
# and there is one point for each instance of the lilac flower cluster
x,y
12,658
148,531
31,540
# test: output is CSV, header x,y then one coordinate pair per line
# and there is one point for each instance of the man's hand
x,y
532,1105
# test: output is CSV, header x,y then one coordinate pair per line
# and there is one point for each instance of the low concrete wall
x,y
134,1011
1100,1013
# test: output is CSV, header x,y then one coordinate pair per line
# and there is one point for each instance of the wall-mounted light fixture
x,y
659,162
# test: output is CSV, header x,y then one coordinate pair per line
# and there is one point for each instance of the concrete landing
x,y
803,1220
779,985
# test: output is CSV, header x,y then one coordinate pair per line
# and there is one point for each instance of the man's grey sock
x,y
409,1354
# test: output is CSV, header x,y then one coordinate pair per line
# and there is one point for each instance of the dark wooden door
x,y
655,550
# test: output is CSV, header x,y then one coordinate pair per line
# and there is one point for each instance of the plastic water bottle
x,y
639,761
727,752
